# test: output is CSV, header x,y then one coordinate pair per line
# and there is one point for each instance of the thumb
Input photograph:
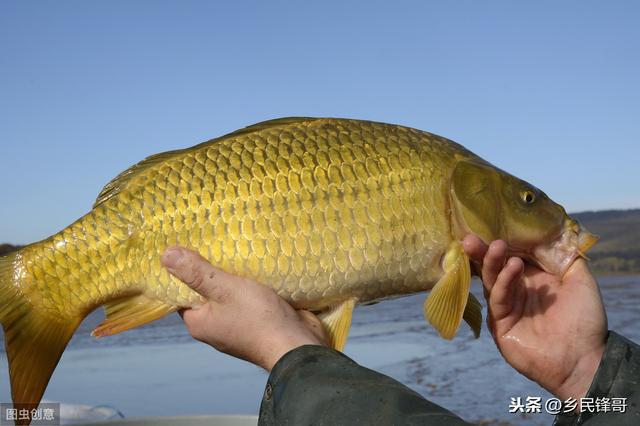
x,y
196,272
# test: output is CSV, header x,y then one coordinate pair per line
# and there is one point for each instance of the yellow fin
x,y
120,182
473,315
34,338
337,321
125,314
268,124
447,301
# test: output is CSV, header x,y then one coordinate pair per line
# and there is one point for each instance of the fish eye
x,y
528,197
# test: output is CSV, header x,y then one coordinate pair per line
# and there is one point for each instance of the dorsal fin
x,y
120,182
263,125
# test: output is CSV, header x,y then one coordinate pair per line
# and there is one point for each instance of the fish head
x,y
493,204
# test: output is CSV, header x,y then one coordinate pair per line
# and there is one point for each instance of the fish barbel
x,y
328,212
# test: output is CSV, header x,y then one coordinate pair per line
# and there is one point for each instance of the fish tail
x,y
34,338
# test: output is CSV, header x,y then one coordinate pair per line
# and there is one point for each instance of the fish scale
x,y
328,212
280,203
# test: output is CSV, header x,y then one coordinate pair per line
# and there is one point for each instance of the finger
x,y
474,247
493,262
196,272
518,297
187,313
195,323
501,299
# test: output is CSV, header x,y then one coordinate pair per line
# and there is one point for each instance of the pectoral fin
x,y
131,312
337,321
473,315
446,303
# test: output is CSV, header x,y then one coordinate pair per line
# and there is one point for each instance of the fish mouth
x,y
557,256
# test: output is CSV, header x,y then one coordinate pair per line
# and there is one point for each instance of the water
x,y
159,370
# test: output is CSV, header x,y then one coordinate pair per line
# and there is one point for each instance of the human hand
x,y
240,317
551,330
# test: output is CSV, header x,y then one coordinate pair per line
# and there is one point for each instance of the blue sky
x,y
546,90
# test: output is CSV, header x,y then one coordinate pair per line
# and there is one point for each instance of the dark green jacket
x,y
314,385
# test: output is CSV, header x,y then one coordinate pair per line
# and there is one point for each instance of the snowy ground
x,y
159,370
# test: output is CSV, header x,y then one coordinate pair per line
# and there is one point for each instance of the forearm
x,y
317,385
617,376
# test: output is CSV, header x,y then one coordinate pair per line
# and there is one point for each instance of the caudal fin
x,y
34,338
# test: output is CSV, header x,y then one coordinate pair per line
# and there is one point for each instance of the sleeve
x,y
315,385
615,384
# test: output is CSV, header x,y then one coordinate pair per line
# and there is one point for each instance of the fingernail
x,y
171,257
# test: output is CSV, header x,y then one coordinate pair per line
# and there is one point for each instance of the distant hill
x,y
7,248
618,250
619,247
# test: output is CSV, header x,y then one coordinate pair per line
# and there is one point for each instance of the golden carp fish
x,y
328,212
